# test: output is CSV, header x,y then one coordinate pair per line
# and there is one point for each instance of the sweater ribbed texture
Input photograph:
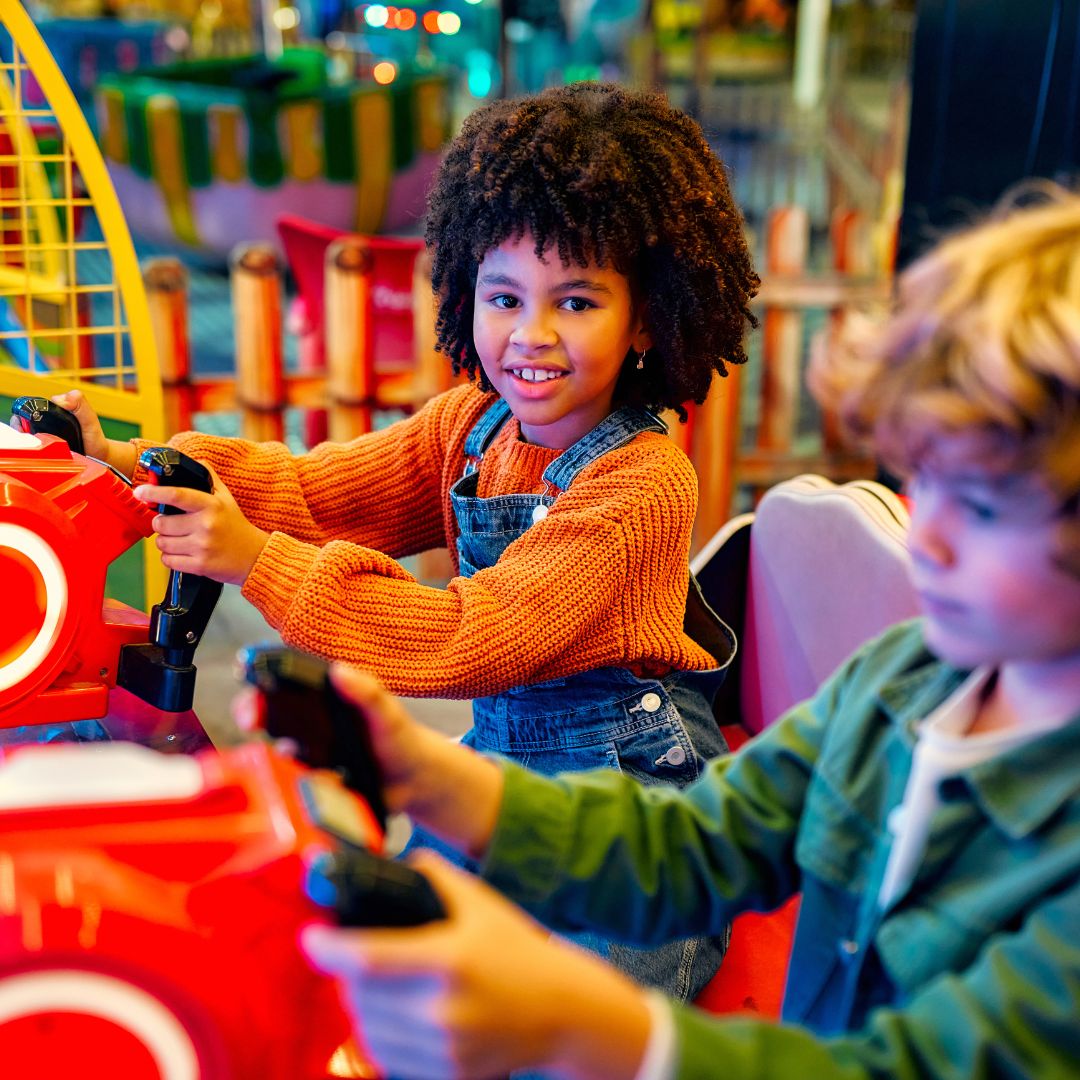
x,y
601,581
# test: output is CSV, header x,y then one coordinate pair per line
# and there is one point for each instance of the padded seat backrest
x,y
828,570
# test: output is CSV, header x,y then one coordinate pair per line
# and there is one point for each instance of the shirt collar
x,y
1019,790
911,697
1023,788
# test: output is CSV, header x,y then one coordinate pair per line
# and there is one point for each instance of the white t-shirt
x,y
943,749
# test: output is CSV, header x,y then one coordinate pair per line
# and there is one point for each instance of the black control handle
x,y
299,703
368,890
162,672
170,468
38,415
178,622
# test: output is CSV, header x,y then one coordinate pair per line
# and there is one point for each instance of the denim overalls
x,y
657,730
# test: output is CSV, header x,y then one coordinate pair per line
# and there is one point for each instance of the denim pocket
x,y
662,753
551,762
466,568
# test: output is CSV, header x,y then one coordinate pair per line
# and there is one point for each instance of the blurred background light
x,y
384,72
449,22
376,15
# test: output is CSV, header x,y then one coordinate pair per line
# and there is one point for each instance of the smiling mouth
x,y
536,375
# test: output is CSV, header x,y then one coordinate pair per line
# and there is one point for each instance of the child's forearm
x,y
440,784
122,456
456,794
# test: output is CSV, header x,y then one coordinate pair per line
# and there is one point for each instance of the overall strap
x,y
484,431
615,430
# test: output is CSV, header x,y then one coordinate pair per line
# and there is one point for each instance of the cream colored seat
x,y
817,570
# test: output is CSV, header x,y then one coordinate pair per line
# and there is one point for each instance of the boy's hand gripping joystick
x,y
40,416
162,672
297,701
371,890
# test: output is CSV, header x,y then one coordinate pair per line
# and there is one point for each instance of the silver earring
x,y
641,360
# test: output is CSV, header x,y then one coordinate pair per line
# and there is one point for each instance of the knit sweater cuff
x,y
272,584
139,474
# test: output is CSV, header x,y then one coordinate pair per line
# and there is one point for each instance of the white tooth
x,y
535,374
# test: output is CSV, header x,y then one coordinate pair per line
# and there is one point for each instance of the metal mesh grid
x,y
73,312
62,312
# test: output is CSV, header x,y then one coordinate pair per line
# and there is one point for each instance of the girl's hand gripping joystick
x,y
162,671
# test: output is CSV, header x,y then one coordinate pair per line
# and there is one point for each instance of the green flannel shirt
x,y
974,971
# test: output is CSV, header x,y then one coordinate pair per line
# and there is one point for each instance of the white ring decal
x,y
92,994
52,573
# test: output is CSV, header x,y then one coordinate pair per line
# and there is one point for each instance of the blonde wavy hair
x,y
984,337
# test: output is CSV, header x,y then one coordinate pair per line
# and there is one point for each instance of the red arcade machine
x,y
73,664
150,904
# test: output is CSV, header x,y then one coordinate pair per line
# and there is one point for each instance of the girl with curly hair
x,y
590,270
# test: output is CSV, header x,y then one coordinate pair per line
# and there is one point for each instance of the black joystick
x,y
299,703
161,672
40,416
166,467
368,890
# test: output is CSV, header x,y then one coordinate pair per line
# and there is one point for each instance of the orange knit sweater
x,y
601,581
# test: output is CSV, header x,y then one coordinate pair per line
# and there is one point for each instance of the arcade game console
x,y
150,907
150,904
73,664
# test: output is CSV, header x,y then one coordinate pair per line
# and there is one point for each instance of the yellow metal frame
x,y
36,209
54,282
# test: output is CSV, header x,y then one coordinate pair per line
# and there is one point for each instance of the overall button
x,y
675,756
651,702
849,946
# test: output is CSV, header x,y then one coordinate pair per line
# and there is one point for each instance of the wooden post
x,y
433,371
715,439
850,237
260,362
350,353
347,422
166,282
787,242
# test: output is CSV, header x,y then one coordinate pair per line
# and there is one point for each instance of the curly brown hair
x,y
598,172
